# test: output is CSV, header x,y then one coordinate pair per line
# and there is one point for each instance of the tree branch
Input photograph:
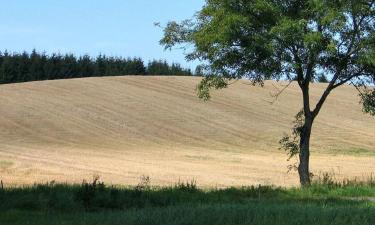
x,y
359,90
324,96
276,96
344,81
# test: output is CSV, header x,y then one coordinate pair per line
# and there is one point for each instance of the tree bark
x,y
304,155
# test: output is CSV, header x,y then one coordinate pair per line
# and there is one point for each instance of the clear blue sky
x,y
112,27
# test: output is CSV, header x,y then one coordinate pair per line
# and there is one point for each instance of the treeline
x,y
161,67
23,67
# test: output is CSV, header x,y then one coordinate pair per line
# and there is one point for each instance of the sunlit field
x,y
121,128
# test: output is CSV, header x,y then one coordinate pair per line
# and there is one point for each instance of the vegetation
x,y
292,40
160,67
15,67
325,202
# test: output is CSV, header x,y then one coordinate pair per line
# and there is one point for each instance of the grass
x,y
353,151
234,213
92,203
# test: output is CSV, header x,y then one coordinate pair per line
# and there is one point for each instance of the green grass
x,y
95,203
352,151
252,212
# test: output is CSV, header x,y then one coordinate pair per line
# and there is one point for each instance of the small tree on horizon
x,y
296,40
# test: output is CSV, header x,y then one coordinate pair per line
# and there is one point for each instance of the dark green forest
x,y
34,66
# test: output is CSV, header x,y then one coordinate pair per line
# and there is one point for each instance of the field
x,y
121,128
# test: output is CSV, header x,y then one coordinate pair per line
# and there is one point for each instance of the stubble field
x,y
121,128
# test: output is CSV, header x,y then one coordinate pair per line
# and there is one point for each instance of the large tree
x,y
296,40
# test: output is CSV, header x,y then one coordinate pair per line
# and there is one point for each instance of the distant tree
x,y
158,67
7,70
23,67
85,66
289,39
15,67
36,66
200,70
100,65
136,67
161,67
69,67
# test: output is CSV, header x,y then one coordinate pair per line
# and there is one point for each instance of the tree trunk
x,y
304,155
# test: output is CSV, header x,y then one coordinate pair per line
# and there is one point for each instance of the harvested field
x,y
121,128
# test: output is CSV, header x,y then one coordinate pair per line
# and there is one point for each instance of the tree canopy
x,y
295,40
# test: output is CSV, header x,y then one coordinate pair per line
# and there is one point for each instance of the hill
x,y
123,127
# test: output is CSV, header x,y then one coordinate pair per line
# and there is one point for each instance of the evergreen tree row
x,y
160,67
23,67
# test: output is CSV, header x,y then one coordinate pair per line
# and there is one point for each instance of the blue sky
x,y
112,27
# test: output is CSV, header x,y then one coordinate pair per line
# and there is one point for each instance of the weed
x,y
188,186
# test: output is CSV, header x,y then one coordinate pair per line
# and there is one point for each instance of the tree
x,y
322,78
284,39
199,71
23,67
368,99
161,67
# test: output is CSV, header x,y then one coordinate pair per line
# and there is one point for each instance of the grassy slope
x,y
123,127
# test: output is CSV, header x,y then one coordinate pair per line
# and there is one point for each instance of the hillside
x,y
123,127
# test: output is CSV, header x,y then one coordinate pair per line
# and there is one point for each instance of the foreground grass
x,y
96,203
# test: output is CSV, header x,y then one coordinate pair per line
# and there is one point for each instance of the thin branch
x,y
359,90
279,92
343,81
233,82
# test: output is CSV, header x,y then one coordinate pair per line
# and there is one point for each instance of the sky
x,y
112,27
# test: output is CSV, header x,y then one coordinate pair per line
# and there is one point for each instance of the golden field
x,y
121,128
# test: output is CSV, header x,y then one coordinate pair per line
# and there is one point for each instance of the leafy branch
x,y
290,143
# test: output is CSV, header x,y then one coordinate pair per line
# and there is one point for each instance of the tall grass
x,y
325,202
